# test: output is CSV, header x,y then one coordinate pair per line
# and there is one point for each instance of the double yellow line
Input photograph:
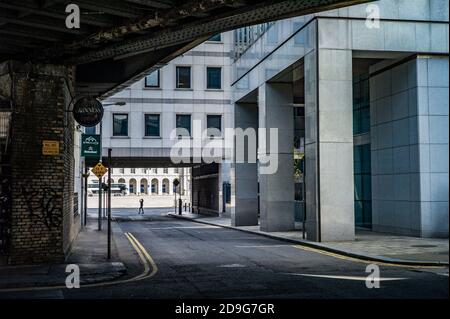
x,y
150,269
358,260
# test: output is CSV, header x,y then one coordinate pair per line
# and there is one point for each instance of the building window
x,y
216,38
155,171
363,186
176,170
214,78
120,124
361,104
122,171
272,34
89,130
214,125
183,77
301,36
152,125
133,171
152,80
165,170
183,124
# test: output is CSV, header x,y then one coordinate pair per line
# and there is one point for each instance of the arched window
x,y
165,186
154,184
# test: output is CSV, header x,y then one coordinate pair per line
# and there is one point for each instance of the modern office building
x,y
371,85
359,98
190,94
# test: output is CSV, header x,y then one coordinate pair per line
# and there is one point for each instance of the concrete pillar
x,y
329,145
409,130
277,209
244,183
43,225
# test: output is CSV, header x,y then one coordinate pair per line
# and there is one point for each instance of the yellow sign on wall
x,y
50,147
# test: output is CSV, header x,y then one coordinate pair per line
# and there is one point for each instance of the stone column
x,y
244,183
329,145
276,181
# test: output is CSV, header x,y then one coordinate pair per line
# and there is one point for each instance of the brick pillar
x,y
43,225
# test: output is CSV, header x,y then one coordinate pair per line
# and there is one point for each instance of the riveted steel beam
x,y
263,12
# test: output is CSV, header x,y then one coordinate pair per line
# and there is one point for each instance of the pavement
x,y
178,259
89,253
368,245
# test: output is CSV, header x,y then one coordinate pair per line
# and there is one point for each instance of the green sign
x,y
90,145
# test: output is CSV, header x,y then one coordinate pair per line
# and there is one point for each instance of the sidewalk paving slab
x,y
89,253
370,246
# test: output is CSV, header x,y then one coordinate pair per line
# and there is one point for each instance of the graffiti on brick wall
x,y
42,207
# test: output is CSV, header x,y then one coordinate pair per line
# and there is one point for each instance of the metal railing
x,y
245,37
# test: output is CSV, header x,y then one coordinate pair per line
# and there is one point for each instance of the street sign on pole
x,y
99,170
109,204
90,145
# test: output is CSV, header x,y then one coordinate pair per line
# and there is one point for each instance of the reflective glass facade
x,y
361,153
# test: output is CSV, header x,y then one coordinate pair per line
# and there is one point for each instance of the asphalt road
x,y
193,260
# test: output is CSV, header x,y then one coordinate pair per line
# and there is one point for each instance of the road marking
x,y
347,258
357,278
144,256
147,255
262,246
181,227
232,266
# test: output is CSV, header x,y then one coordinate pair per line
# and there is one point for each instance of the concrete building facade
x,y
190,94
371,85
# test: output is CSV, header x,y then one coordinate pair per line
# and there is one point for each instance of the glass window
x,y
152,125
120,124
299,37
122,170
133,171
183,123
155,171
272,34
165,170
214,78
214,124
183,77
361,105
216,37
89,130
152,80
363,186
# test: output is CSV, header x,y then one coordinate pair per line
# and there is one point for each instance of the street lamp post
x,y
100,160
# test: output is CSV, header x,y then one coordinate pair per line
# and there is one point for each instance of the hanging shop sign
x,y
88,111
90,145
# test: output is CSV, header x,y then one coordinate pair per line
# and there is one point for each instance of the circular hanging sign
x,y
88,111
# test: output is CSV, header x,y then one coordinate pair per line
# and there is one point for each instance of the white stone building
x,y
148,181
192,92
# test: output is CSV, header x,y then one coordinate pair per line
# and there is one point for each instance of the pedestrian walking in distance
x,y
141,207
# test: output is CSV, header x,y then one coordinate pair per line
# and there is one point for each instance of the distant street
x,y
193,260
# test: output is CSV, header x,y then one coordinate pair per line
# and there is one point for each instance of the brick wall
x,y
43,225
